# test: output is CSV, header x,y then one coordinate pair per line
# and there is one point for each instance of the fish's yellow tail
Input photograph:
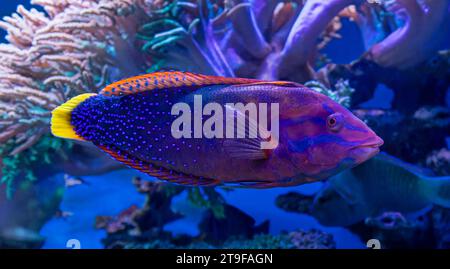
x,y
61,117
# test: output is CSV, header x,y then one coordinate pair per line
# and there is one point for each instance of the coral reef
x,y
210,36
300,239
284,43
143,227
136,220
74,47
148,221
417,39
313,239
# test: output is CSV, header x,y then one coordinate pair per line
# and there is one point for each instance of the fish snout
x,y
367,150
376,142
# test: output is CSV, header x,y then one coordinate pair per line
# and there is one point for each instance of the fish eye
x,y
335,122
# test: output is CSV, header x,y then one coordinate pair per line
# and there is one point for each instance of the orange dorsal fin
x,y
157,171
174,79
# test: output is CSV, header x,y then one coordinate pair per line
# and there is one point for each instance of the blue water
x,y
105,195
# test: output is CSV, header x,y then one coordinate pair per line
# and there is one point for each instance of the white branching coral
x,y
78,46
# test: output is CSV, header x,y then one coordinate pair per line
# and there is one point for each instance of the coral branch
x,y
244,24
301,43
52,57
418,39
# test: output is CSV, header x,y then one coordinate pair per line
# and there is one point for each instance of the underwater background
x,y
383,60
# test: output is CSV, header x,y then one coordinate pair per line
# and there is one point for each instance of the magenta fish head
x,y
325,138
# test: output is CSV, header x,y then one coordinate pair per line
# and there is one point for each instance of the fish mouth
x,y
374,143
367,150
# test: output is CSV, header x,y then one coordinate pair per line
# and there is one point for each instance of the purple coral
x,y
312,239
426,24
239,37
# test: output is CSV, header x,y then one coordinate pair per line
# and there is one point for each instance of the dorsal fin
x,y
173,79
157,171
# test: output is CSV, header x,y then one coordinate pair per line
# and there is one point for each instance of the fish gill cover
x,y
65,48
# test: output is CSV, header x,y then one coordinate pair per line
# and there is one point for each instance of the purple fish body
x,y
317,137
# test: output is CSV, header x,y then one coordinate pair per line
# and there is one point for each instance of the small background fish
x,y
382,184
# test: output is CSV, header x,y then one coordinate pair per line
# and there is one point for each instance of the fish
x,y
382,184
132,121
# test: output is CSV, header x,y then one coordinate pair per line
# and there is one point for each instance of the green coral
x,y
342,93
207,198
20,166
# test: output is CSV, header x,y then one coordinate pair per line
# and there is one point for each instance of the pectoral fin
x,y
250,146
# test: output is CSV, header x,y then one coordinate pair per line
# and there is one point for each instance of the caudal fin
x,y
61,116
438,190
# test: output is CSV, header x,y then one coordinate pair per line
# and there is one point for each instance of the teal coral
x,y
341,95
21,166
207,198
